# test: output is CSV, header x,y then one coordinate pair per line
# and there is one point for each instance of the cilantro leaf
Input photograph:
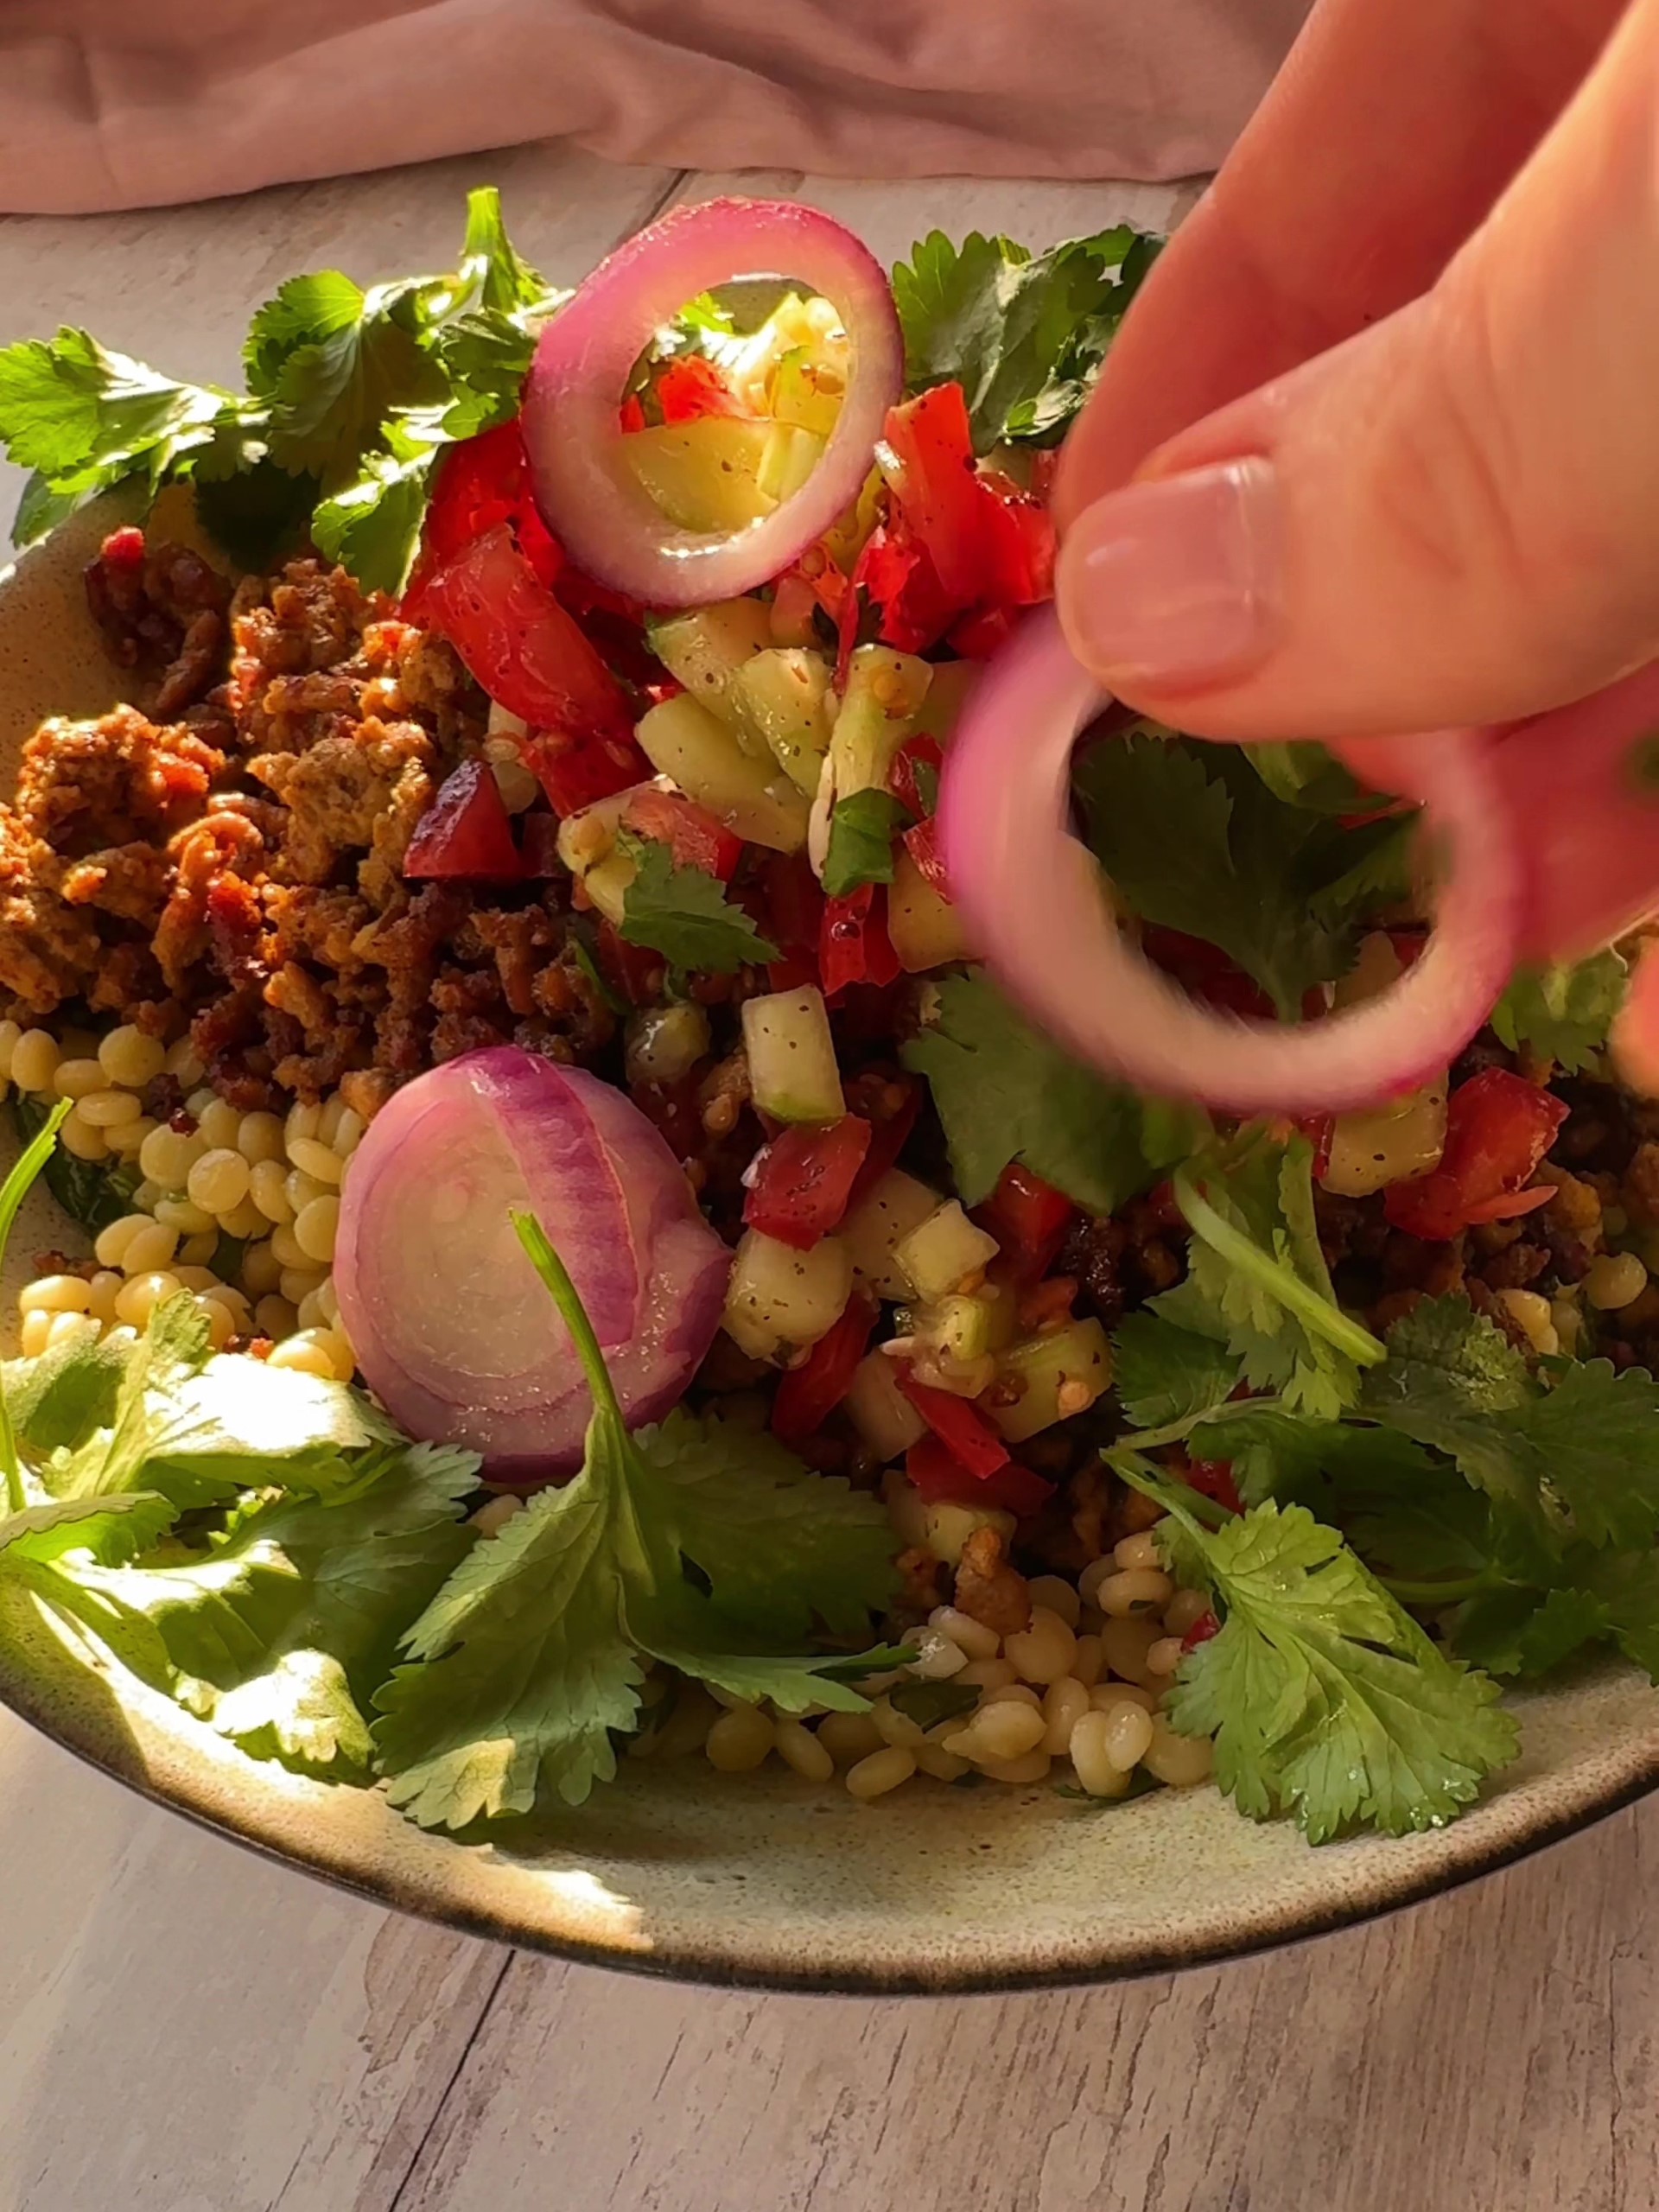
x,y
1323,1697
1304,773
1275,1453
1563,1014
491,274
1004,1093
1165,1375
58,1400
928,1703
1527,1632
1257,1279
109,1530
861,831
1195,841
528,1659
1593,1440
358,360
1024,336
19,1182
684,914
90,1192
372,524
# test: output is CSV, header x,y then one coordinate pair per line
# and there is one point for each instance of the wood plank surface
x,y
184,2028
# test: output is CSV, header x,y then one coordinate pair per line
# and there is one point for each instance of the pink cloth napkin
x,y
134,103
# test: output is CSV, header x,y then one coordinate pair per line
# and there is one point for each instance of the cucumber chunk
x,y
793,1071
702,754
926,929
780,1296
879,1409
706,648
940,1253
884,693
1074,1365
783,696
875,1228
705,475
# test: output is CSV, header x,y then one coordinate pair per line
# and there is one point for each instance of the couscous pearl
x,y
1106,1697
328,1120
218,1180
1184,1610
1045,1651
75,1078
304,1356
231,1297
490,1520
34,1060
268,1187
1613,1280
150,1247
1060,1598
1139,1590
1033,1767
1125,1644
303,1122
1064,1704
198,1250
299,1282
799,1748
287,1248
220,1325
1181,1762
350,1132
140,1294
168,1155
881,1771
274,1317
259,1136
104,1108
1165,1655
739,1740
221,1125
9,1033
1007,1730
194,1276
937,1656
968,1634
102,1293
244,1221
261,1270
1093,1575
300,1188
329,1301
893,1726
1128,1735
313,1158
1532,1316
179,1213
199,1101
80,1138
32,1335
315,1228
942,1765
126,1139
341,1358
1091,1662
1137,1551
989,1673
311,1313
1095,1770
849,1737
185,1063
111,1243
54,1294
130,1057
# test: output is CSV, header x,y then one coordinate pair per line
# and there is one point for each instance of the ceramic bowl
x,y
763,1879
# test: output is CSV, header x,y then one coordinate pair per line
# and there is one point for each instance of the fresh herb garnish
x,y
1024,334
861,831
91,1192
684,914
1195,841
1564,1014
1005,1093
532,1655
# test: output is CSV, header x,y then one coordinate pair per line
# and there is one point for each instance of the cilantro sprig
x,y
682,1543
1564,1014
684,914
351,396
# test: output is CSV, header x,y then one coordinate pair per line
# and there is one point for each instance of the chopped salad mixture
x,y
594,1244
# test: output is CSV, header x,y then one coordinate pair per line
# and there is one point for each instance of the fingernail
x,y
1177,582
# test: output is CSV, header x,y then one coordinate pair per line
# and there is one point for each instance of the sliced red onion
x,y
589,496
1030,896
452,1330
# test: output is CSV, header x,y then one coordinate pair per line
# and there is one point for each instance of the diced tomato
x,y
922,843
894,577
531,655
1028,1218
985,632
464,835
631,416
914,779
941,1479
123,548
791,914
692,387
1202,1629
815,579
633,970
576,771
853,946
690,831
482,484
1498,1126
805,1179
1214,1479
539,845
936,489
808,1394
890,1103
959,1421
1019,532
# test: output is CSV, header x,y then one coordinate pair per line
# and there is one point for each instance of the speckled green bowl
x,y
763,1879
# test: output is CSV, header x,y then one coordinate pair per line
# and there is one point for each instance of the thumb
x,y
1452,518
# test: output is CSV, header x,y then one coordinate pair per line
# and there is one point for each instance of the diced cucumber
x,y
1048,1367
941,1530
783,695
607,885
793,1071
963,1327
877,1222
1403,1139
706,648
702,754
926,929
849,536
780,1297
806,392
790,457
884,692
704,474
588,837
947,694
879,1409
940,1253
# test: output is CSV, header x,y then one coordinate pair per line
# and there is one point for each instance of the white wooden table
x,y
185,2029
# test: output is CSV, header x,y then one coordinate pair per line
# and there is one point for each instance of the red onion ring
x,y
588,495
452,1330
1030,894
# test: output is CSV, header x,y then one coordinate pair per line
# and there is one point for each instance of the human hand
x,y
1430,269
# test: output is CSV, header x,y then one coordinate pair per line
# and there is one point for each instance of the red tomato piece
x,y
908,779
1202,1629
632,970
890,1103
1020,531
808,1394
790,915
894,576
464,835
1214,1479
631,416
922,843
937,490
1028,1218
123,548
483,483
959,1421
853,946
539,845
1498,1126
690,831
941,1479
692,387
577,771
803,1180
